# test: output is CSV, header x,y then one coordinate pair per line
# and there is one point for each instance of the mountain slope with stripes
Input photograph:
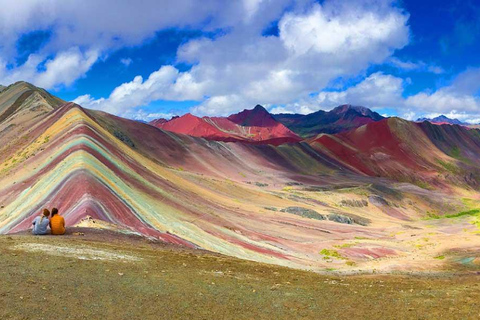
x,y
302,205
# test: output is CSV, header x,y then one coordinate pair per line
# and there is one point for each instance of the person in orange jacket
x,y
57,223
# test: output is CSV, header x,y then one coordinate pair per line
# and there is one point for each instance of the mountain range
x,y
379,193
442,120
342,118
259,126
253,126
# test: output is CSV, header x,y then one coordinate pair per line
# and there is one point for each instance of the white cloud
x,y
459,99
140,114
167,83
409,115
108,24
381,91
242,67
415,66
126,61
377,91
344,28
444,101
294,108
64,68
103,26
316,45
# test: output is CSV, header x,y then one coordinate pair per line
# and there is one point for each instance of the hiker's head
x,y
46,213
54,211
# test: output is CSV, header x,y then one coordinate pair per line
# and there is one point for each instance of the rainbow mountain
x,y
389,195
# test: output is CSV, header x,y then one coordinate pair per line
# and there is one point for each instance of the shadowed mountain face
x,y
257,117
340,119
358,197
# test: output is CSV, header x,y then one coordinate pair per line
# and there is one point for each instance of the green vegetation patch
x,y
448,166
455,152
345,245
472,212
331,254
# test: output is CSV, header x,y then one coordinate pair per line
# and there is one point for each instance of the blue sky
x,y
162,58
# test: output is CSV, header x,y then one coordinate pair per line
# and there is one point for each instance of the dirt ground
x,y
92,274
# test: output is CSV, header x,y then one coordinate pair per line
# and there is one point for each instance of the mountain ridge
x,y
442,119
284,128
339,119
242,127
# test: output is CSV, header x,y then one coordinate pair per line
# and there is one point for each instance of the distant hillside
x,y
340,119
254,126
442,120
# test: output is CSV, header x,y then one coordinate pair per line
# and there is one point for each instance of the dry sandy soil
x,y
93,274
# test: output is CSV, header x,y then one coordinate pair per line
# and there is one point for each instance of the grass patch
x,y
455,153
450,167
432,216
439,257
472,212
345,245
422,184
362,238
331,254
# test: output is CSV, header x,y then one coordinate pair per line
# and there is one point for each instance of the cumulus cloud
x,y
444,101
376,91
314,46
379,91
344,27
167,83
64,68
110,24
459,99
242,67
103,26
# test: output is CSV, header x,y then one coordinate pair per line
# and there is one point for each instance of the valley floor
x,y
93,274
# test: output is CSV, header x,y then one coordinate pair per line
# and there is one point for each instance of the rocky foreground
x,y
98,274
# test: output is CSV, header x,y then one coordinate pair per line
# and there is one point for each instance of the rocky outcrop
x,y
354,203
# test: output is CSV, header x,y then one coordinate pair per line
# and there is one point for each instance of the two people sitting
x,y
42,222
